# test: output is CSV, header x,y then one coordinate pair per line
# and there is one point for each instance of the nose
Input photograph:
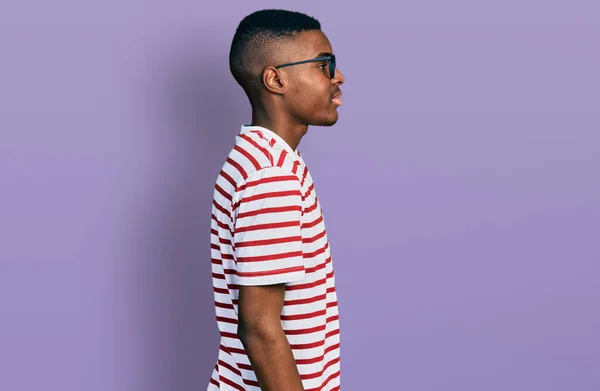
x,y
338,78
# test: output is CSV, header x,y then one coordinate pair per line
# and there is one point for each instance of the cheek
x,y
312,98
316,95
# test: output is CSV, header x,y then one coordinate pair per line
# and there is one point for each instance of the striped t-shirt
x,y
267,228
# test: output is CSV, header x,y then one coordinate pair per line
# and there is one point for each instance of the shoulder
x,y
271,176
255,150
257,159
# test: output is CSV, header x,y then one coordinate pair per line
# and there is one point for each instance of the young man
x,y
274,285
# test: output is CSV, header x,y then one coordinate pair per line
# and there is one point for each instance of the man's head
x,y
304,92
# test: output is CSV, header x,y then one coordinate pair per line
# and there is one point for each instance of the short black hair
x,y
257,32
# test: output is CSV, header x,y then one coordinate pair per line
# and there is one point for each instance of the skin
x,y
294,97
289,100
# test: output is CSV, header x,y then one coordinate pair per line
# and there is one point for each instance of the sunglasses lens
x,y
332,67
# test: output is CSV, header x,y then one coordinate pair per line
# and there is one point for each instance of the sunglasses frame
x,y
330,63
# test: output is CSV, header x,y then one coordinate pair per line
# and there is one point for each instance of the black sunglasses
x,y
330,63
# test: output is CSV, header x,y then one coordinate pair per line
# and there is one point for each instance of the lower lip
x,y
337,102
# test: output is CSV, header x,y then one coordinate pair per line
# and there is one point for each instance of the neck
x,y
281,125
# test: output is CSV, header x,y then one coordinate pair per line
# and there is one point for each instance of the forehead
x,y
311,43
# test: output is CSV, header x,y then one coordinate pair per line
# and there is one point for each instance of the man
x,y
274,286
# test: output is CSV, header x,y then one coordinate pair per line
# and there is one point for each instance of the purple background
x,y
461,191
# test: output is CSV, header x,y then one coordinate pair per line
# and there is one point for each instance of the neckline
x,y
271,134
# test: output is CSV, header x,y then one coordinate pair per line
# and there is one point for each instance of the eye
x,y
322,66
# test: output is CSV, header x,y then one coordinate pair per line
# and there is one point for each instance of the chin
x,y
328,120
331,122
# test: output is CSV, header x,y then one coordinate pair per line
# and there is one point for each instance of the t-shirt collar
x,y
272,135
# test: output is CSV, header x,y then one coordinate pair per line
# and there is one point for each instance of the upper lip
x,y
337,95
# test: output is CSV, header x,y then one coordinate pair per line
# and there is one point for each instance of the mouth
x,y
337,98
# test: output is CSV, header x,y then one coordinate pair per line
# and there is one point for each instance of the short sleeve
x,y
267,229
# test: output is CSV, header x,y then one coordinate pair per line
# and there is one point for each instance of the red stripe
x,y
248,156
312,207
216,383
312,223
214,246
305,301
308,345
330,378
333,376
320,373
304,316
295,168
229,335
218,276
260,148
221,224
221,209
271,272
270,257
232,350
332,333
280,178
228,178
215,261
308,192
258,133
304,175
239,373
272,194
314,269
279,209
260,227
332,319
305,331
223,192
331,348
315,253
332,304
224,305
214,232
281,158
226,242
223,379
308,361
305,286
238,167
314,238
267,242
232,369
245,366
226,320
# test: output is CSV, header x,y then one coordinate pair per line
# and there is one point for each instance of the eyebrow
x,y
323,54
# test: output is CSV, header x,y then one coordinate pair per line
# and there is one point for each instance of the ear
x,y
274,80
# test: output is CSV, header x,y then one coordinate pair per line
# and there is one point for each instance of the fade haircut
x,y
258,35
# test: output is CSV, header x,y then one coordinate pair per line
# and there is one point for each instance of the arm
x,y
265,341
